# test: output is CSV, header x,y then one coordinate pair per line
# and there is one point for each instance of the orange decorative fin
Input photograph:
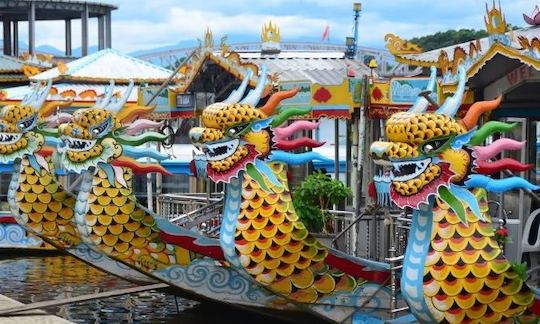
x,y
130,113
140,168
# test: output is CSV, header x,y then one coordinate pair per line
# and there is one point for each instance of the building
x,y
505,63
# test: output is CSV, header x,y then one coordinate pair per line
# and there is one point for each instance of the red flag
x,y
326,33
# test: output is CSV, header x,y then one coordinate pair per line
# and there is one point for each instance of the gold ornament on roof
x,y
397,45
270,33
224,47
208,39
495,20
29,70
62,68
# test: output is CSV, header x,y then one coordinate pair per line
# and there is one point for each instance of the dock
x,y
29,317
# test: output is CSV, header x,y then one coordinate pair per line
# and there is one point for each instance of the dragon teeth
x,y
9,138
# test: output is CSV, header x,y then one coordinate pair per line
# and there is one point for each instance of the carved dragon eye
x,y
435,145
27,123
238,130
102,128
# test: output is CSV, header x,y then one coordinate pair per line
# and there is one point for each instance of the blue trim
x,y
415,259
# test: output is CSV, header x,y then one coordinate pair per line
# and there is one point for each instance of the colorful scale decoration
x,y
454,270
261,234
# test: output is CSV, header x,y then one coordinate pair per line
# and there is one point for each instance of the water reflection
x,y
31,279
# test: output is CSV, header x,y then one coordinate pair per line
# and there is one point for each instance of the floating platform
x,y
30,317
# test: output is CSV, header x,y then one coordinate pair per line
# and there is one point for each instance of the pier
x,y
30,317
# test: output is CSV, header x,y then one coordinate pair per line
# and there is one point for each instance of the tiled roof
x,y
105,65
327,68
433,55
11,64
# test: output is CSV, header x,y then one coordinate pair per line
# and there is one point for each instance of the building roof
x,y
327,68
432,57
105,65
10,64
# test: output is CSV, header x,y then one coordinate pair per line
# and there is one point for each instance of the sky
x,y
146,24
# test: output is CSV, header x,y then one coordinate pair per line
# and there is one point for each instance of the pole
x,y
357,9
15,38
32,28
108,32
101,32
84,31
336,149
68,37
7,35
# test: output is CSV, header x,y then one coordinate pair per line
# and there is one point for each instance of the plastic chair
x,y
533,248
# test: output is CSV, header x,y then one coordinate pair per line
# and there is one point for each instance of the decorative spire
x,y
495,20
270,33
270,38
208,39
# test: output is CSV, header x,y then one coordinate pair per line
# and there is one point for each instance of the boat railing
x,y
398,233
201,213
173,205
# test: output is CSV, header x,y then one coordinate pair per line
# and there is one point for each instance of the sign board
x,y
512,80
406,90
302,98
161,101
355,88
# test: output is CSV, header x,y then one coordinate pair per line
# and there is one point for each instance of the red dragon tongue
x,y
414,201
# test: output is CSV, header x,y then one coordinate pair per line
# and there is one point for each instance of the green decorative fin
x,y
454,203
288,113
255,174
489,128
141,139
47,132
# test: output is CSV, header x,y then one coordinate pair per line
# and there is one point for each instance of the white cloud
x,y
142,24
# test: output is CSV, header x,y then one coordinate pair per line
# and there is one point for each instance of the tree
x,y
448,38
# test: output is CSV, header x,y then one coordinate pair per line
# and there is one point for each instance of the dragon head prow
x,y
97,136
21,125
239,136
435,154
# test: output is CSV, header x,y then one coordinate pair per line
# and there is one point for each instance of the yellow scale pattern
x,y
276,249
466,277
125,231
45,205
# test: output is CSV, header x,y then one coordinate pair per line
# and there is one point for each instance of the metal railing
x,y
199,212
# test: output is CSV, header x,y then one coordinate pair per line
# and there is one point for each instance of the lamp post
x,y
357,8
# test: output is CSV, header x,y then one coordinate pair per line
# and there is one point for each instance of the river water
x,y
41,278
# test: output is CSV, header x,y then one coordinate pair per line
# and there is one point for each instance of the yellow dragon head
x,y
238,136
21,131
102,133
430,153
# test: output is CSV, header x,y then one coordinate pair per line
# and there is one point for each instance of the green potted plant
x,y
316,194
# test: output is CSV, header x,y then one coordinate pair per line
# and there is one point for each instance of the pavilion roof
x,y
105,65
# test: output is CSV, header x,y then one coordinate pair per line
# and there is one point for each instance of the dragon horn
x,y
452,104
107,95
41,95
421,103
254,95
117,105
237,94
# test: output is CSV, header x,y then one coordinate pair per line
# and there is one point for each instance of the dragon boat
x,y
454,270
38,202
309,278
